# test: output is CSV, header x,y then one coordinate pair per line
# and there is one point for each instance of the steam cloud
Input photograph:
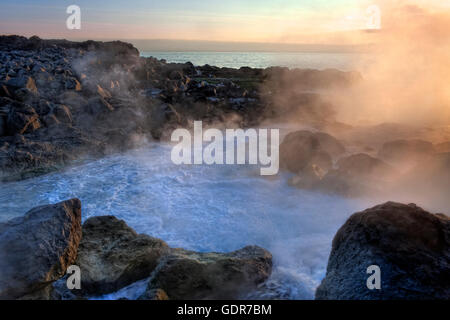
x,y
408,80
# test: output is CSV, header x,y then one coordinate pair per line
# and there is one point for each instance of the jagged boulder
x,y
98,106
37,248
410,245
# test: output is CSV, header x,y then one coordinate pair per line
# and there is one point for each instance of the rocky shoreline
x,y
410,245
61,100
36,249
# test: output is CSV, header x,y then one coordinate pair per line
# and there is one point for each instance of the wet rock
x,y
303,148
105,94
154,294
43,107
63,113
4,92
22,118
36,249
193,275
176,75
410,245
73,84
309,178
50,120
2,125
99,106
21,82
74,100
46,293
111,255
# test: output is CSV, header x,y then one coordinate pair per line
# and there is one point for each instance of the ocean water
x,y
200,207
311,60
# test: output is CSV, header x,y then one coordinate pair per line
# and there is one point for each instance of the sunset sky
x,y
285,21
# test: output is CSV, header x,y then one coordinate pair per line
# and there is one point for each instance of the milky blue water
x,y
205,208
311,60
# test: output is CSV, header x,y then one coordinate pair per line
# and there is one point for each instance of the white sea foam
x,y
205,208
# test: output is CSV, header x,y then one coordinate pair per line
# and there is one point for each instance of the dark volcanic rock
x,y
36,249
22,118
362,165
2,125
154,294
63,113
301,149
193,275
410,245
97,88
111,255
117,48
99,106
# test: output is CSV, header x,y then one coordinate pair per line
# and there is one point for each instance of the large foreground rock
x,y
111,255
410,245
193,275
37,248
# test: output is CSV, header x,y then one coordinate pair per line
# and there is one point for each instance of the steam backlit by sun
x,y
408,80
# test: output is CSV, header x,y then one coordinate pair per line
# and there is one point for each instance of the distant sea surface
x,y
304,60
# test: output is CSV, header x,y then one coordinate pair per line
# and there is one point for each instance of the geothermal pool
x,y
200,207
